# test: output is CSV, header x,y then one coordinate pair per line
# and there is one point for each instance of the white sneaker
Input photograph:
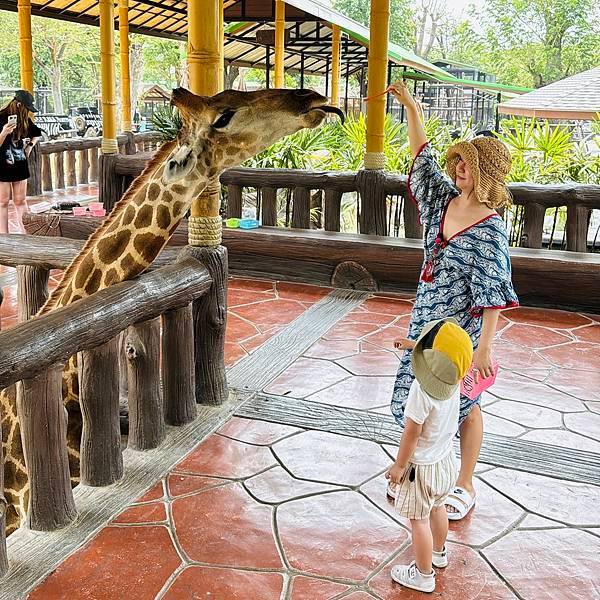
x,y
440,559
409,576
392,490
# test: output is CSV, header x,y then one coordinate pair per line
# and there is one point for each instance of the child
x,y
425,470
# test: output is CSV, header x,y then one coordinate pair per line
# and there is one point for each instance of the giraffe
x,y
218,132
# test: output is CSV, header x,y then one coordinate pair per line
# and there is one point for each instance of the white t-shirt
x,y
440,423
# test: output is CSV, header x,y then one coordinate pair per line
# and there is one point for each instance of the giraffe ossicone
x,y
218,132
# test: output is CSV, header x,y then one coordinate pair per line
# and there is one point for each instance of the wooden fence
x,y
175,297
382,203
59,164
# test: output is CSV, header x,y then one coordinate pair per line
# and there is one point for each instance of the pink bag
x,y
470,389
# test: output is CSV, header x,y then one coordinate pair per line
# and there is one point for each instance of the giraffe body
x,y
218,133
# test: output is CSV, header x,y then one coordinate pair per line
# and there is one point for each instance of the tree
x,y
428,18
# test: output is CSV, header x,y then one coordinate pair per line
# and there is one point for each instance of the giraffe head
x,y
224,130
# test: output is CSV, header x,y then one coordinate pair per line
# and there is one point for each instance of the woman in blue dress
x,y
466,271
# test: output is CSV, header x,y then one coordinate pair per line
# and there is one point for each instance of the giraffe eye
x,y
224,119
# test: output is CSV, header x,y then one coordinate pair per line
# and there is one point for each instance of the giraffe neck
x,y
132,236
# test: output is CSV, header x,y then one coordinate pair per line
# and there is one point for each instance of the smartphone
x,y
12,119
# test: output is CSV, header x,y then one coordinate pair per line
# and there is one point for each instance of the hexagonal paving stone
x,y
534,337
536,522
498,426
527,415
277,485
156,492
307,588
261,433
388,305
545,317
337,535
153,512
590,333
467,576
230,584
586,387
148,556
357,392
559,563
492,514
332,349
363,316
222,457
181,485
385,338
225,526
330,458
563,439
576,355
241,297
585,423
238,329
376,491
305,377
565,501
349,330
371,363
271,312
259,285
510,355
301,291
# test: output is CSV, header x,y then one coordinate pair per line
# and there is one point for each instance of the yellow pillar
x,y
204,46
336,65
107,69
221,46
25,44
279,43
125,75
377,69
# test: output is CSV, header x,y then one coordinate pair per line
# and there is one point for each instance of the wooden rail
x,y
373,190
175,302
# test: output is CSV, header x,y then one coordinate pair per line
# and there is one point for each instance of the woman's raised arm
x,y
416,133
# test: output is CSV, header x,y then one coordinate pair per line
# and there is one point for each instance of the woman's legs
x,y
471,436
19,189
5,189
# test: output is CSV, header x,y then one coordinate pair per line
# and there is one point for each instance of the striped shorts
x,y
425,486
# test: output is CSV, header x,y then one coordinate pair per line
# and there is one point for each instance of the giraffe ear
x,y
179,165
188,103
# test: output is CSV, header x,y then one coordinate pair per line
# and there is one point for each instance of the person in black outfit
x,y
16,142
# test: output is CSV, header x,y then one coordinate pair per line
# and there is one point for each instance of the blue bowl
x,y
249,224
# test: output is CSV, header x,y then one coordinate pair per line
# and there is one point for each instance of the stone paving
x,y
268,511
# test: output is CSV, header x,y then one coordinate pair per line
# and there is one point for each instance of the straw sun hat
x,y
489,161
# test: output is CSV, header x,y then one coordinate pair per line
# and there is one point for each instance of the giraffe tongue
x,y
335,110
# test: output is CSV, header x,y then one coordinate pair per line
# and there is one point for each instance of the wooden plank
x,y
301,208
333,201
269,206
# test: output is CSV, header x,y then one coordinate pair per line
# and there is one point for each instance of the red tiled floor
x,y
236,298
258,285
305,588
333,349
498,426
301,291
180,485
545,317
120,562
271,312
386,305
561,563
239,329
590,333
534,337
261,433
564,439
371,363
227,584
350,330
156,492
585,386
576,355
357,392
508,355
386,337
147,513
337,535
233,530
527,415
222,457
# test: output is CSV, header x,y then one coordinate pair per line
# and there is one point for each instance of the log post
x,y
234,201
110,183
43,431
3,505
34,183
178,378
70,169
84,166
210,320
333,202
146,421
533,225
373,200
46,173
301,208
577,227
412,225
94,167
101,459
32,290
130,147
59,166
316,210
269,206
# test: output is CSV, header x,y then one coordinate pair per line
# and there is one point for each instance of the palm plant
x,y
167,121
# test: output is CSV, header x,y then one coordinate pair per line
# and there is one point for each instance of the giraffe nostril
x,y
172,164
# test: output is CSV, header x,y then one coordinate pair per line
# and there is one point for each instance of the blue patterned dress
x,y
460,277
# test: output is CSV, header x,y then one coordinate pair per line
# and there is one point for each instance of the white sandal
x,y
461,501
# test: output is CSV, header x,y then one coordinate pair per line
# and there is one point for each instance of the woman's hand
x,y
482,361
395,473
401,93
8,129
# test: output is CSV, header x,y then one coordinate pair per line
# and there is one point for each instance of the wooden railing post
x,y
101,458
333,202
373,202
269,206
46,173
84,166
43,421
578,219
179,386
234,201
70,168
59,163
110,183
34,183
146,421
533,225
94,167
412,226
301,208
130,147
32,290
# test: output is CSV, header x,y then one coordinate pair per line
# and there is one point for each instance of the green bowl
x,y
232,223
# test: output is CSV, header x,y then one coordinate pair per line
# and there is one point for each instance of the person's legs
x,y
422,544
4,200
471,436
438,520
19,190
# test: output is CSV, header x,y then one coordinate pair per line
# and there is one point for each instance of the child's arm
x,y
408,443
404,344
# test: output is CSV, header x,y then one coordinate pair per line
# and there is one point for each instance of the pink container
x,y
98,212
79,211
96,205
470,389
